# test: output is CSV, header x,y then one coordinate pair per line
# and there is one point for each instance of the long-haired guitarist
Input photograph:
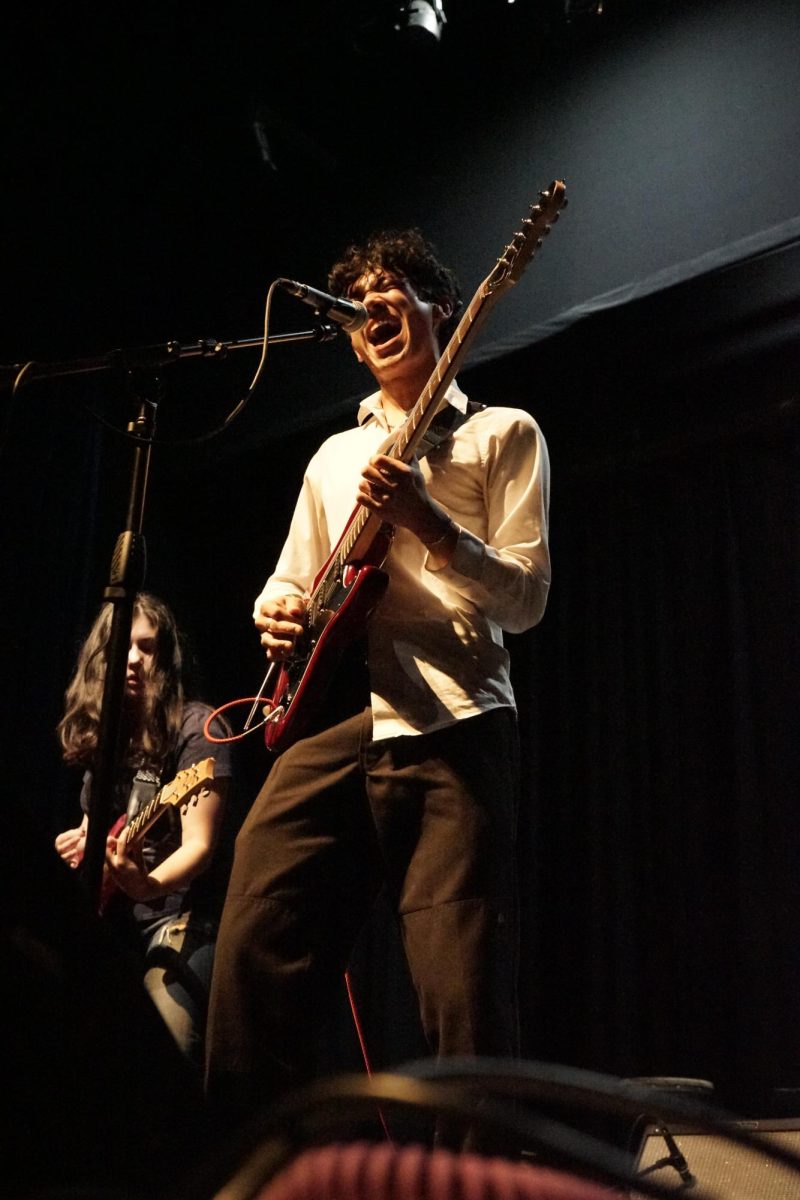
x,y
165,891
405,771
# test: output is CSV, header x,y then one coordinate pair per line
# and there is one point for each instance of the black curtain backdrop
x,y
659,853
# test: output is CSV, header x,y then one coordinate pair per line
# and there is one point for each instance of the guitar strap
x,y
143,789
444,425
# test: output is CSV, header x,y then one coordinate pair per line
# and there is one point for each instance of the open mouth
x,y
383,331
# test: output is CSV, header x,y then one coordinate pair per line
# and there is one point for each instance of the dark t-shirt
x,y
204,896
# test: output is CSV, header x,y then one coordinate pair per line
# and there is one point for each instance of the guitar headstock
x,y
187,782
535,227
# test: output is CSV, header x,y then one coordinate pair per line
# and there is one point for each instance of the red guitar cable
x,y
363,1046
233,737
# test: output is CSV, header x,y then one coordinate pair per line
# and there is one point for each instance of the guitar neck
x,y
364,525
419,418
186,784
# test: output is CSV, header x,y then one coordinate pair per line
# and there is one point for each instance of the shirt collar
x,y
372,409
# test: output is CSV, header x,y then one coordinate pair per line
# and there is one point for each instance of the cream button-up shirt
x,y
435,641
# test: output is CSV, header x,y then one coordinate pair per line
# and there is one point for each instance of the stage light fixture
x,y
583,8
421,20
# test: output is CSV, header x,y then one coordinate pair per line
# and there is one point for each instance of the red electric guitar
x,y
186,786
351,582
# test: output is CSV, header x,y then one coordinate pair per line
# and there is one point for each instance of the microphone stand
x,y
128,563
159,355
126,577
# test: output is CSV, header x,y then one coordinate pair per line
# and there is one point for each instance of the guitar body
x,y
294,700
108,889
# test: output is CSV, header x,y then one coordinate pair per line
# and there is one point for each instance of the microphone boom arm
x,y
158,355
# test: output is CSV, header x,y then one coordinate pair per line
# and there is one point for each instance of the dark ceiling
x,y
153,152
162,166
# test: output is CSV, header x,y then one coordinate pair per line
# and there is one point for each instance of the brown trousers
x,y
434,818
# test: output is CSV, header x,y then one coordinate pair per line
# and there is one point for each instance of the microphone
x,y
350,314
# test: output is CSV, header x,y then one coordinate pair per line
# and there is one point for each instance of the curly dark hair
x,y
409,254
